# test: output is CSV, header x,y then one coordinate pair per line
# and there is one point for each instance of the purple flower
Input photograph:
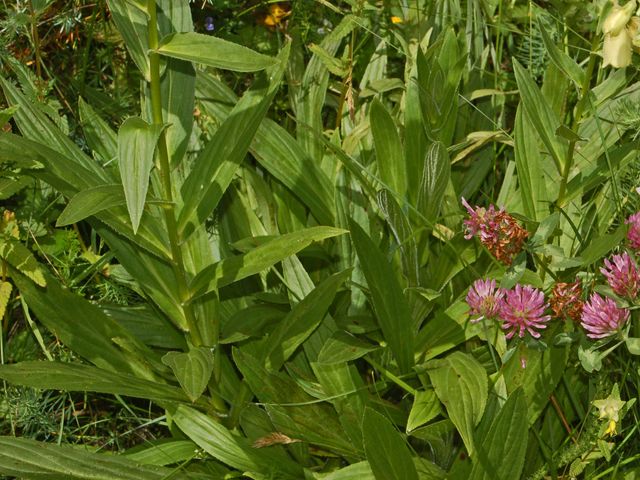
x,y
484,299
633,235
622,275
601,317
522,310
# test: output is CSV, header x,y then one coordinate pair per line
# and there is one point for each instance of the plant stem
x,y
165,178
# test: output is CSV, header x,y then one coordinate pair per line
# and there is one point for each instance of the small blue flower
x,y
208,24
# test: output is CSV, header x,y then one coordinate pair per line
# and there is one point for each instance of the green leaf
x,y
540,114
231,449
426,407
137,142
435,177
89,202
389,156
563,61
24,458
163,452
101,139
355,471
303,319
501,452
386,450
260,258
132,25
213,51
386,295
461,385
21,258
529,168
85,378
633,345
334,65
600,246
546,228
192,369
343,347
216,165
6,114
93,339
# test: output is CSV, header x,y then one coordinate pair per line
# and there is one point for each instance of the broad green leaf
x,y
500,453
214,51
216,165
132,25
545,229
192,369
633,345
563,61
9,187
277,151
334,65
355,471
549,365
389,157
426,407
303,319
100,137
540,115
231,449
89,202
23,458
147,325
85,378
5,295
343,347
260,258
19,256
529,167
386,450
601,246
137,142
293,411
163,452
387,298
461,385
435,177
82,327
415,139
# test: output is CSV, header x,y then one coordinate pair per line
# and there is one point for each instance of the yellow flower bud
x,y
617,49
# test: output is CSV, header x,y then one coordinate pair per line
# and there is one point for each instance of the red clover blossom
x,y
622,275
484,299
522,310
601,317
633,235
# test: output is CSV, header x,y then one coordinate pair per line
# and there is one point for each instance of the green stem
x,y
165,178
398,381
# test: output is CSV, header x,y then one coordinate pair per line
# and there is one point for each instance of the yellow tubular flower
x,y
620,29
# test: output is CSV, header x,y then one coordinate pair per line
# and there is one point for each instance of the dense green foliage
x,y
239,229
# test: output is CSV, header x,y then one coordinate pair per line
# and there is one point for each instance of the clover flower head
x,y
601,317
522,310
566,300
484,299
622,275
633,235
498,231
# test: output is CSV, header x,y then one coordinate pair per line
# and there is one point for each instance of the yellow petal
x,y
617,50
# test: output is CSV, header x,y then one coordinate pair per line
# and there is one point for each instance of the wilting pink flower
x,y
633,235
483,299
601,317
622,275
522,310
497,230
566,300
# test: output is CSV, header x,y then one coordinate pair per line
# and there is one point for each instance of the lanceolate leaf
x,y
386,450
132,25
33,460
260,258
215,52
435,177
230,449
89,202
192,369
85,378
386,295
501,452
461,385
136,145
217,163
389,157
19,256
97,132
